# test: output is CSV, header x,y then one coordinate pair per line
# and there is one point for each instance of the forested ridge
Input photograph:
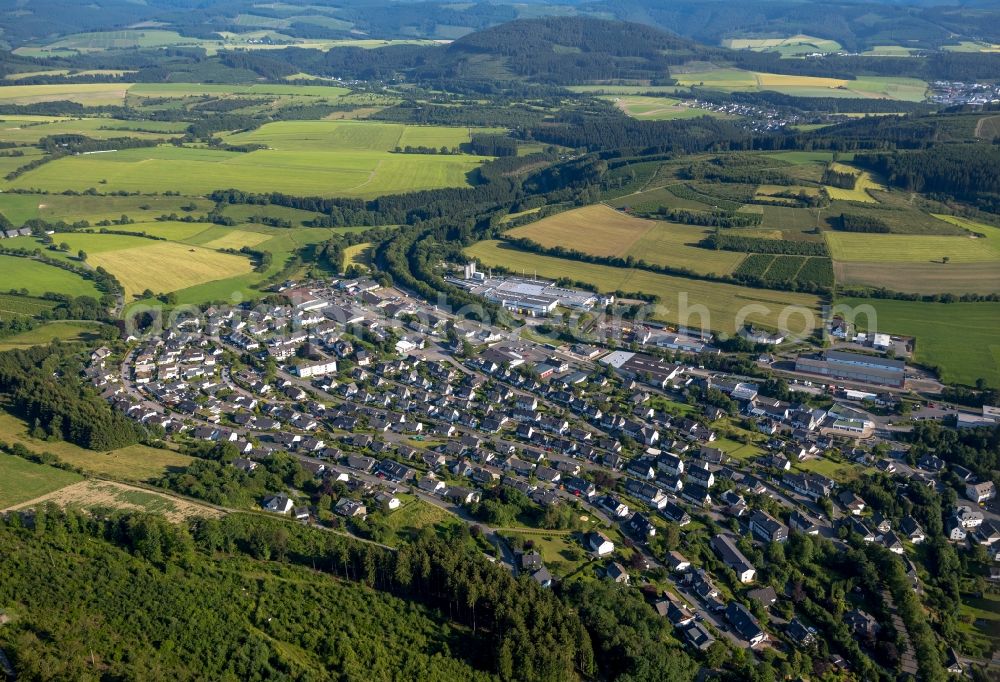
x,y
264,599
42,386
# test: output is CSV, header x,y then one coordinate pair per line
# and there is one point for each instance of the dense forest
x,y
251,591
42,386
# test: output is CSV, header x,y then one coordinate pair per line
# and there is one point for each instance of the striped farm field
x,y
237,239
723,304
168,266
88,94
603,231
656,108
738,80
922,278
321,170
906,248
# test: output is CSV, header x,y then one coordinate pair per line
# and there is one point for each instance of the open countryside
x,y
438,340
603,231
324,172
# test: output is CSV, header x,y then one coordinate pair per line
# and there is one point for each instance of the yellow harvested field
x,y
93,94
92,494
358,255
602,231
860,192
237,239
168,266
922,278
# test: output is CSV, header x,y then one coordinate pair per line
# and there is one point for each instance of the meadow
x,y
907,248
723,303
331,171
44,333
21,480
738,80
56,207
922,278
162,266
23,305
132,463
791,46
864,183
961,339
29,130
353,135
39,278
603,231
656,108
88,94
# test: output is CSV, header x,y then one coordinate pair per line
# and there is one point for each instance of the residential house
x,y
598,543
744,623
766,528
731,556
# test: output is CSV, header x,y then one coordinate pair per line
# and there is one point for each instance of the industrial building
x,y
867,369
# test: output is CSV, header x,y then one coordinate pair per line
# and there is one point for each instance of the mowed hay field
x,y
722,302
162,266
864,183
914,263
21,480
168,266
90,494
39,278
961,339
907,248
319,171
922,278
44,333
88,94
132,463
20,208
656,108
602,231
737,80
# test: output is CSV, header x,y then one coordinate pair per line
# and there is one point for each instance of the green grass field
x,y
898,248
353,135
133,463
88,94
656,108
23,305
791,46
723,305
961,339
26,131
323,171
738,80
55,207
21,480
43,334
39,278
